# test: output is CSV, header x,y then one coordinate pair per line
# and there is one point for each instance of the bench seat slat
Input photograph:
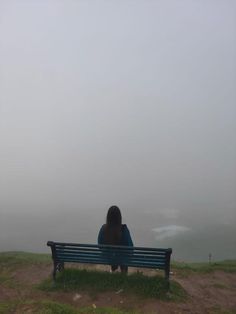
x,y
107,246
107,256
113,257
99,253
116,260
113,262
134,251
114,250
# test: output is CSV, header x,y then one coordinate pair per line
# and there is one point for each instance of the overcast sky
x,y
118,102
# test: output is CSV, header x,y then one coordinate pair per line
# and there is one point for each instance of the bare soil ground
x,y
208,293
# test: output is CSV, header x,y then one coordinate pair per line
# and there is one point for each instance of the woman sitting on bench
x,y
115,233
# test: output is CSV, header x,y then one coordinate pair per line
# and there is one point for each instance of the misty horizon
x,y
126,103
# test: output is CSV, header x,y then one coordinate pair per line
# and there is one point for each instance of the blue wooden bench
x,y
109,255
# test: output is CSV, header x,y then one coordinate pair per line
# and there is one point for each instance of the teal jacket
x,y
125,239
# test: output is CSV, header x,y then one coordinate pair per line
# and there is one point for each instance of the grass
x,y
104,310
7,280
13,259
220,286
219,310
50,307
94,282
97,281
187,268
4,277
91,281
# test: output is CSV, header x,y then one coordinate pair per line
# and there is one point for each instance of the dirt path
x,y
208,293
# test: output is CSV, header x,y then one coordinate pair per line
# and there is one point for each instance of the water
x,y
191,240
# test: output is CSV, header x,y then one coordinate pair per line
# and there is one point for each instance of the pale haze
x,y
128,103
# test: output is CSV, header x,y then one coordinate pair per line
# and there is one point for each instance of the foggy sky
x,y
118,102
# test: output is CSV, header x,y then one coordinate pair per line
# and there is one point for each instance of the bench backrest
x,y
110,255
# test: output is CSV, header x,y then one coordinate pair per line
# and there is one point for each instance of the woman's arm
x,y
127,237
101,236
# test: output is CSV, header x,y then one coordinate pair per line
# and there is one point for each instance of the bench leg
x,y
167,277
54,272
167,269
57,267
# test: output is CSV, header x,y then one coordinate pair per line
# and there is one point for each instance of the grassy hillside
x,y
187,268
51,307
22,258
17,268
98,281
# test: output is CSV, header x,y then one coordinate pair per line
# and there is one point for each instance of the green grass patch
x,y
12,259
220,286
10,262
7,280
97,281
219,310
186,268
7,307
50,307
104,310
4,277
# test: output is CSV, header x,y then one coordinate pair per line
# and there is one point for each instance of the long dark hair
x,y
113,226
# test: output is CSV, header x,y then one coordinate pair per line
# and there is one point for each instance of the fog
x,y
130,103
